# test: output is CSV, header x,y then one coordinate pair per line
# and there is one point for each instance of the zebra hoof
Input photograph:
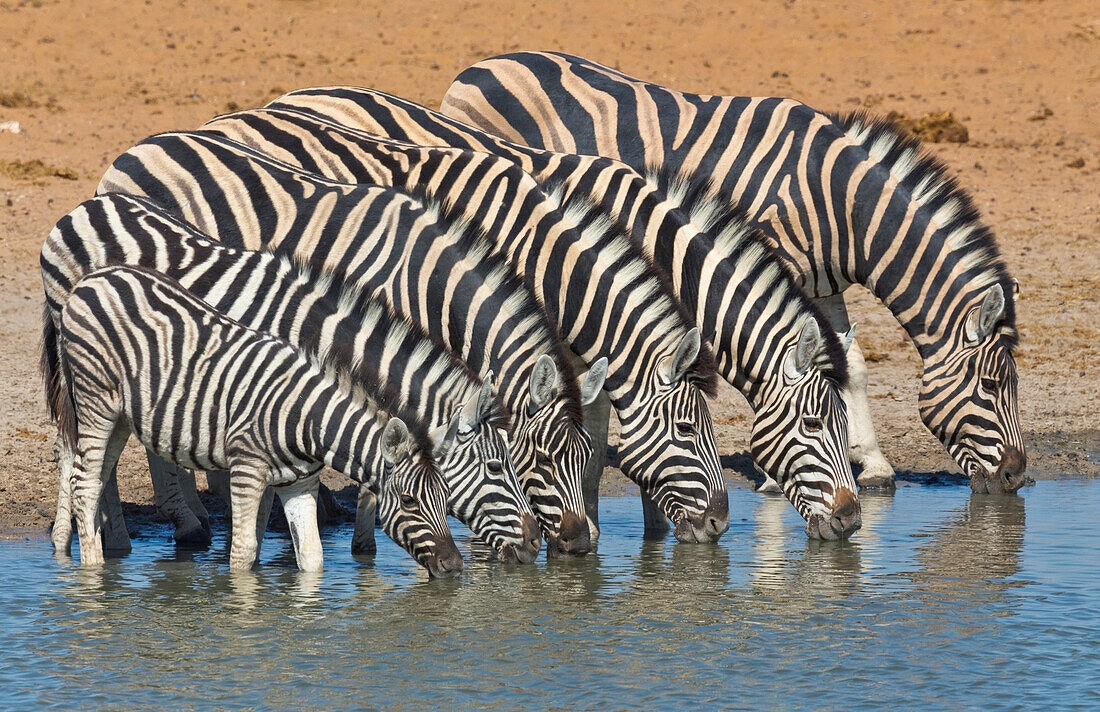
x,y
769,486
877,475
877,482
195,535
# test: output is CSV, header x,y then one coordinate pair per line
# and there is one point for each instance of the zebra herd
x,y
447,306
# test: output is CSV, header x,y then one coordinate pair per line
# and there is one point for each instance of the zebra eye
x,y
407,500
812,424
494,466
989,385
685,429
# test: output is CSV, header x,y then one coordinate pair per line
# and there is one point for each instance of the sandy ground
x,y
85,81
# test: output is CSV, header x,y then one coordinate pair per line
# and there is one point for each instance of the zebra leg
x,y
116,538
769,485
656,523
596,418
190,492
172,503
246,490
362,541
863,446
218,482
96,448
62,534
300,505
263,515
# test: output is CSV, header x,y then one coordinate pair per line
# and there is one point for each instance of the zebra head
x,y
800,436
551,450
667,447
412,502
968,399
485,493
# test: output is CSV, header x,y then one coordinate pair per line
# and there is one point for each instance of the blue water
x,y
945,601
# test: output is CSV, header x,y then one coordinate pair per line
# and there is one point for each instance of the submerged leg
x,y
190,492
362,542
172,503
596,418
300,505
863,446
62,534
247,486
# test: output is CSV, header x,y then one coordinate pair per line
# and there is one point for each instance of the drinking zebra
x,y
749,308
140,354
846,199
320,314
657,369
455,292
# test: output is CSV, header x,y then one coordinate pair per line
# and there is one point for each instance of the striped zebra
x,y
751,310
657,370
459,295
140,354
846,199
319,314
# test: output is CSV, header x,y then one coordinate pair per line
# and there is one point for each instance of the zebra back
x,y
847,199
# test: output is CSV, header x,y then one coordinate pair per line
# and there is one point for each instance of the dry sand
x,y
85,80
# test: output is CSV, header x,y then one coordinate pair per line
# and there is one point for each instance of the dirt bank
x,y
85,81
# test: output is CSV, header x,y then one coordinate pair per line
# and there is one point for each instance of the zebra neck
x,y
923,267
340,432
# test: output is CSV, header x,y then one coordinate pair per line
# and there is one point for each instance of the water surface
x,y
944,600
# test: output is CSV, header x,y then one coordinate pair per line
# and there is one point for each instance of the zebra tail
x,y
59,396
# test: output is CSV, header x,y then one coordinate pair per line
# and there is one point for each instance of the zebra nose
x,y
847,515
573,538
447,561
532,540
716,517
1011,469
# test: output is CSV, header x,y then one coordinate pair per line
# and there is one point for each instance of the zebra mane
x,y
930,184
429,355
366,388
739,241
663,309
501,278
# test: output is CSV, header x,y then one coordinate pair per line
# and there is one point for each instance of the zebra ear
x,y
395,441
593,381
674,369
479,406
443,437
980,323
1015,289
544,383
800,358
847,338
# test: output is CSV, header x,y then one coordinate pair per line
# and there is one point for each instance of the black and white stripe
x,y
385,243
509,331
656,365
140,354
320,314
743,299
846,199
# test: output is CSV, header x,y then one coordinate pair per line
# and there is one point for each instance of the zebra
x,y
657,370
549,443
480,310
318,313
845,199
753,311
139,354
